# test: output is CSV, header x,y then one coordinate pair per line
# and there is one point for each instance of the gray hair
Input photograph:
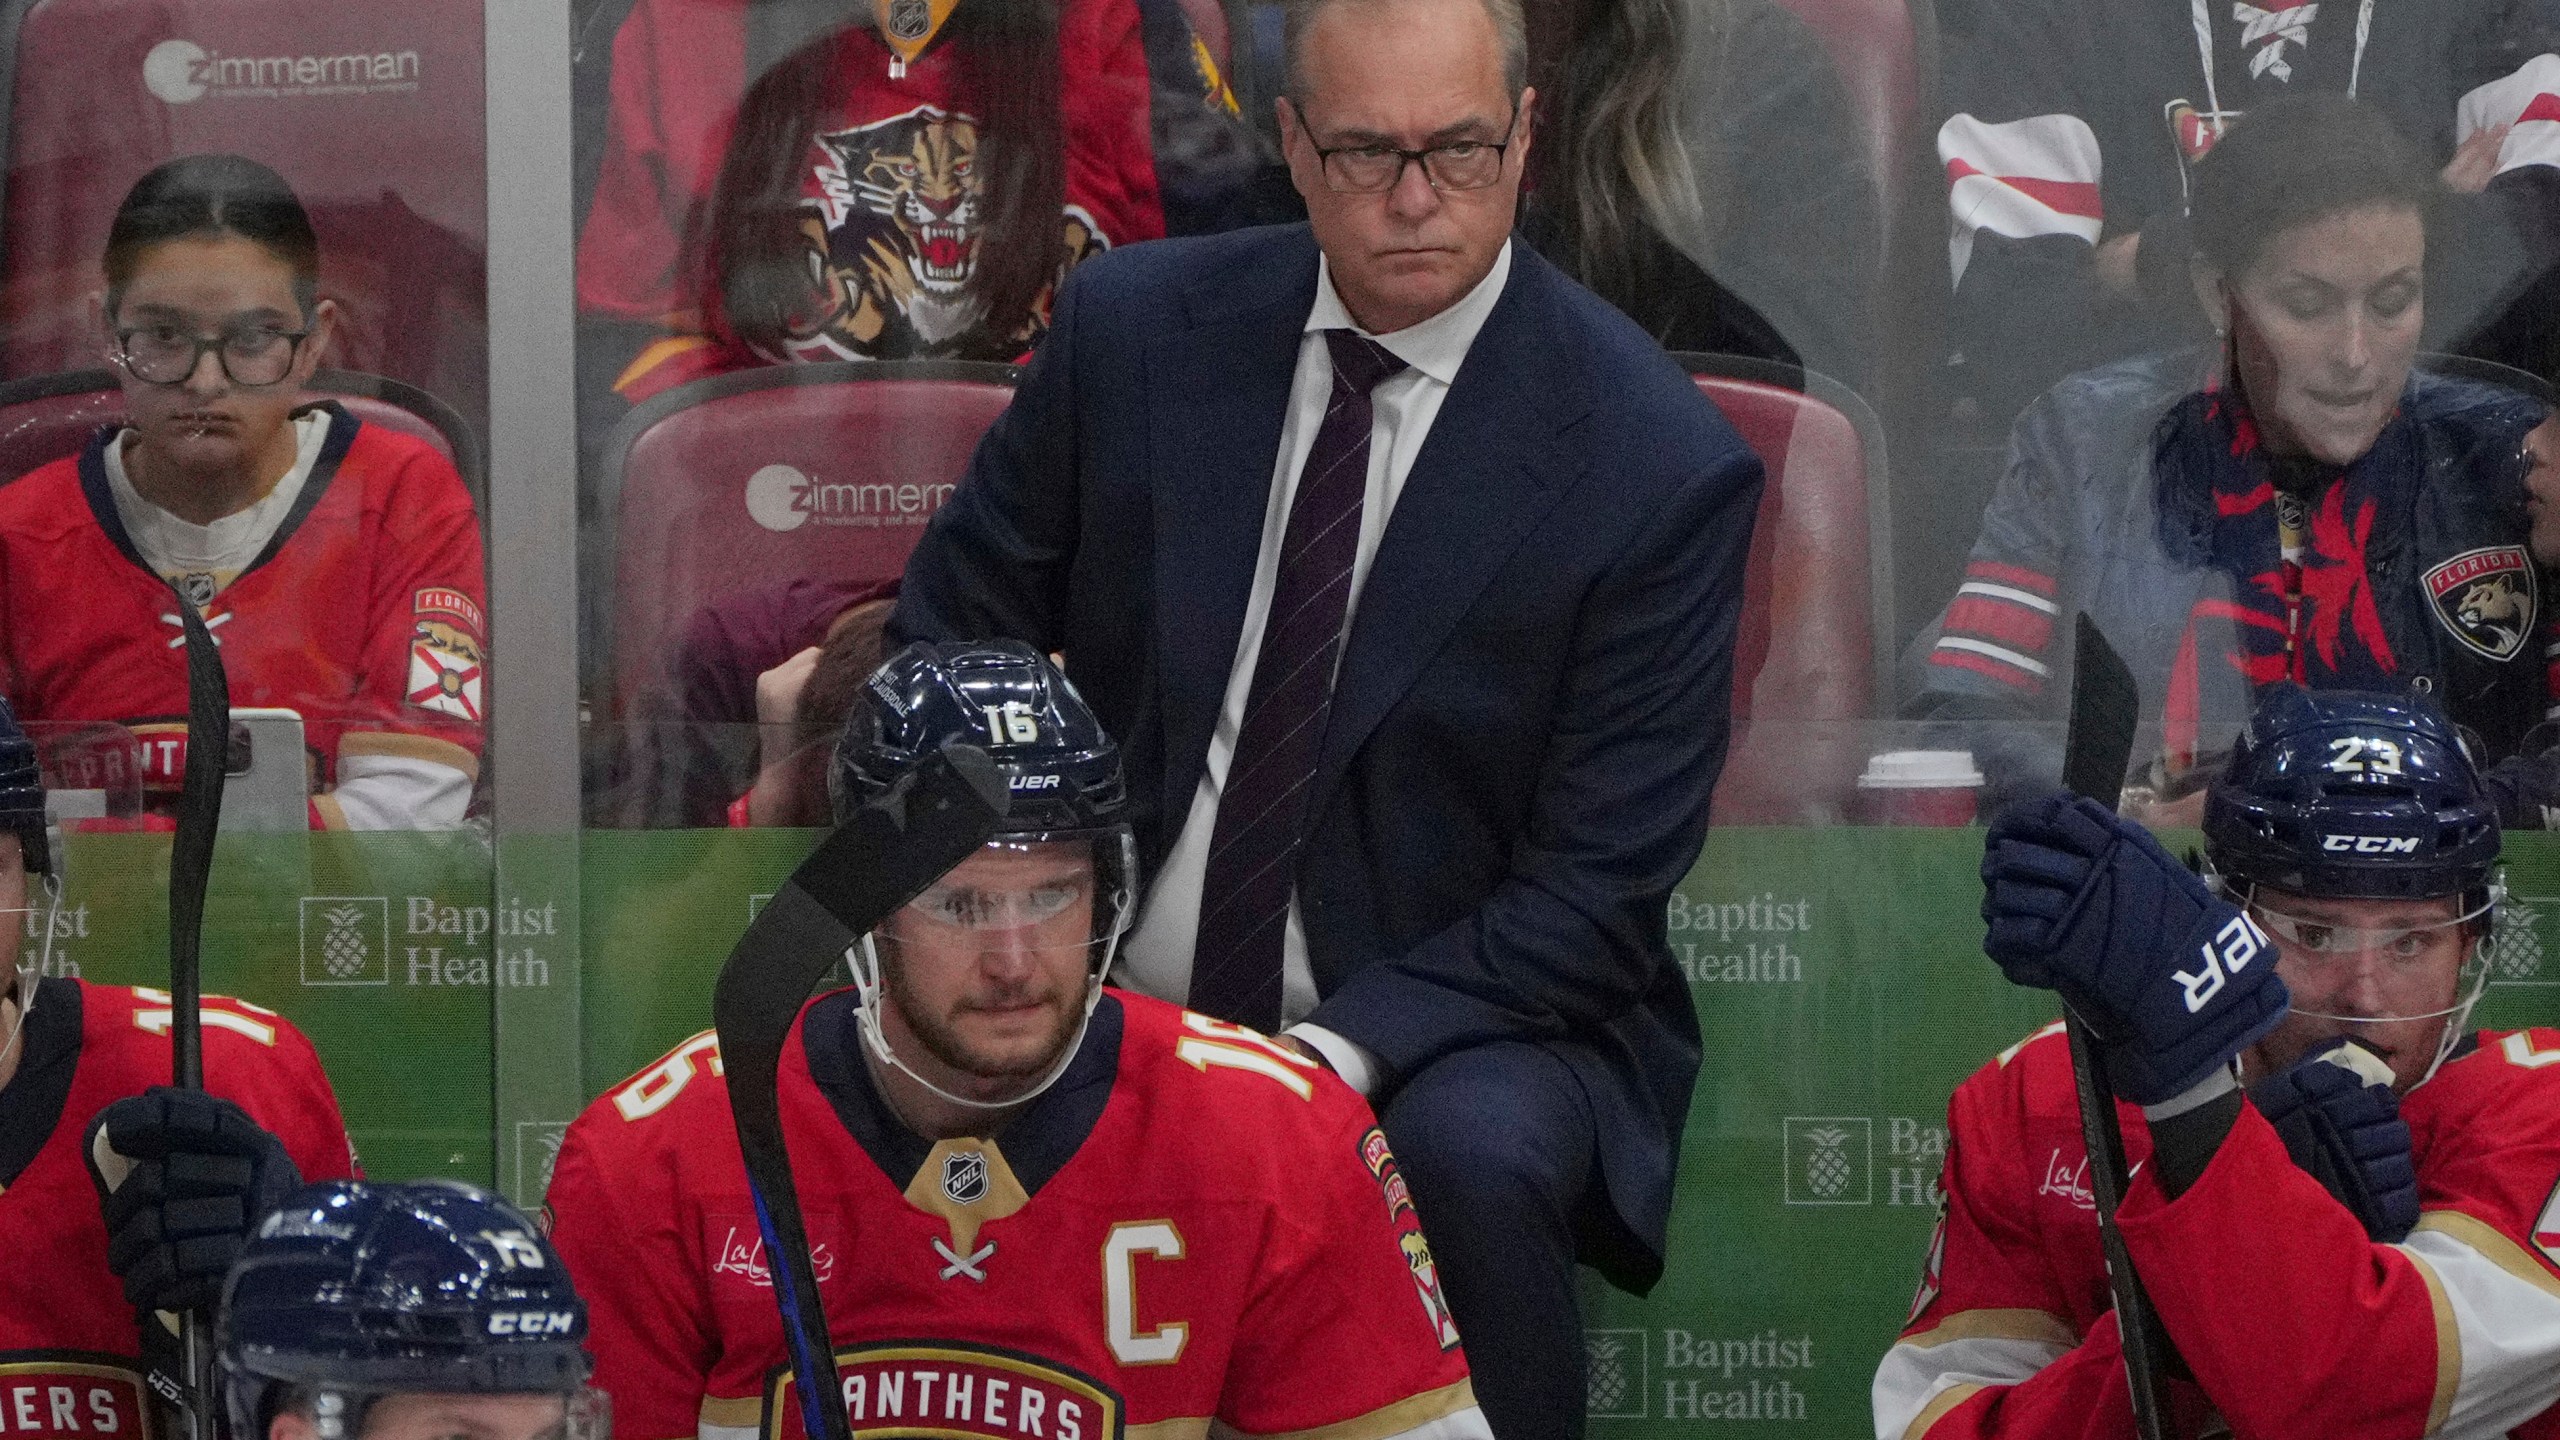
x,y
1508,24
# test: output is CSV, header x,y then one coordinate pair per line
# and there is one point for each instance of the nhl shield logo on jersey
x,y
2487,599
964,1176
446,655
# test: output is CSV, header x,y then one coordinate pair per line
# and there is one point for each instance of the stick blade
x,y
2105,706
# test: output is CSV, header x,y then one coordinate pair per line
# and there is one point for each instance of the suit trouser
x,y
1498,1145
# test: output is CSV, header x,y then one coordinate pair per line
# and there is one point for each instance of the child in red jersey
x,y
337,563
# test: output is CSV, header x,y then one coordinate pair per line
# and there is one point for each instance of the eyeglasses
x,y
1458,165
253,356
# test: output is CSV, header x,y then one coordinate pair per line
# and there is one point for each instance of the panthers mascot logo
x,y
893,241
2487,598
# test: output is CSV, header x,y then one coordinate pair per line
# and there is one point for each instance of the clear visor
x,y
582,1414
2360,974
1075,887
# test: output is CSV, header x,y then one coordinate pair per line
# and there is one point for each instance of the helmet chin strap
x,y
865,961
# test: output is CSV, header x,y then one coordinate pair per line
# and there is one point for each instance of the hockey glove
x,y
2173,979
182,1176
2341,1123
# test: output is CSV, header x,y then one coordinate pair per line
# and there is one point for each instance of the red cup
x,y
1920,787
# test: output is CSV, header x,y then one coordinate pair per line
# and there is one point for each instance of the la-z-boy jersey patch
x,y
1417,1251
447,657
2487,598
950,1388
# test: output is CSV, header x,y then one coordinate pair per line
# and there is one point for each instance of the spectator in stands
x,y
727,738
886,196
2076,129
2300,503
337,563
1699,169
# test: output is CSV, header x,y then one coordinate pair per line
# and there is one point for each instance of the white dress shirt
x,y
1157,958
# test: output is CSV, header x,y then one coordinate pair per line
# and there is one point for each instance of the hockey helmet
x,y
2351,795
352,1291
1007,699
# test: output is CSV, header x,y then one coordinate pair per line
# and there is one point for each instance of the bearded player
x,y
431,1311
84,1112
1036,1206
2343,1203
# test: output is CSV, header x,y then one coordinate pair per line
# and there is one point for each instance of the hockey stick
x,y
190,875
878,860
2104,705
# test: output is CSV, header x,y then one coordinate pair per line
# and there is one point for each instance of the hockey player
x,y
2363,1242
1037,1206
78,1067
2074,128
337,562
404,1312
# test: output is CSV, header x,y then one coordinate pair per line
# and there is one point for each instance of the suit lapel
x,y
1490,469
1217,395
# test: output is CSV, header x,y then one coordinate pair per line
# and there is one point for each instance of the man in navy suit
x,y
1406,572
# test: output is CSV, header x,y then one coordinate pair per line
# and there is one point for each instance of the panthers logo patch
x,y
2487,599
893,232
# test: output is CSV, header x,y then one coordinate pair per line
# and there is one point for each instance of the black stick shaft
x,y
2146,1344
190,875
2105,706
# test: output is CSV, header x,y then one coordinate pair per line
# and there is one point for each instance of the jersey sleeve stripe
x,y
1189,1427
2038,1325
2497,1325
2020,178
2529,100
1997,661
2000,621
1938,1409
1913,1383
1448,1413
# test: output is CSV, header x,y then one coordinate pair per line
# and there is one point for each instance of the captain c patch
x,y
2487,598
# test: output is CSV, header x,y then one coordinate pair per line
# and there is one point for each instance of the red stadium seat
x,y
45,417
779,472
373,113
1805,658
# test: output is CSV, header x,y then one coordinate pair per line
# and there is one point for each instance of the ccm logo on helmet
x,y
532,1322
2370,844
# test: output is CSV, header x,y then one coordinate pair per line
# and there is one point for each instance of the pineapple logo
x,y
346,940
2515,947
1829,1160
1615,1387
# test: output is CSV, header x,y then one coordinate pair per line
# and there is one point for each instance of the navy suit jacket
x,y
1531,710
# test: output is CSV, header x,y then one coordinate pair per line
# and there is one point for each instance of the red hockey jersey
x,y
893,204
2292,1321
1193,1225
363,613
69,1343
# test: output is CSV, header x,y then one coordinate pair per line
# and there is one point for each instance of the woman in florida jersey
x,y
1036,1207
337,563
77,1061
909,185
